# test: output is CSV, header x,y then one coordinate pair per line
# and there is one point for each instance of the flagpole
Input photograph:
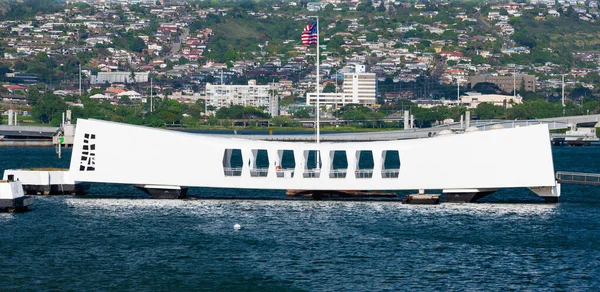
x,y
318,85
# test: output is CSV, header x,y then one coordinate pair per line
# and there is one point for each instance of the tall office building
x,y
358,87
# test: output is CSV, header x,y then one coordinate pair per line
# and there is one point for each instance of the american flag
x,y
310,34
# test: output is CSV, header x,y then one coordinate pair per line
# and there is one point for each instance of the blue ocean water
x,y
115,238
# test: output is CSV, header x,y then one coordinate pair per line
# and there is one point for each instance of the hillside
x,y
558,33
241,35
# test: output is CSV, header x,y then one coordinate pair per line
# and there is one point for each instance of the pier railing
x,y
315,173
312,173
233,171
390,173
364,173
285,172
259,172
578,178
338,173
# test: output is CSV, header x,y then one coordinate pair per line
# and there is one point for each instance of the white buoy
x,y
237,227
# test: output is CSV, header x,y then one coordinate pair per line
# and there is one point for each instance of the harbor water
x,y
116,238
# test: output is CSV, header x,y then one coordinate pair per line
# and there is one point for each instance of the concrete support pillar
x,y
10,117
300,159
406,116
325,158
68,121
248,160
352,158
468,119
377,163
412,121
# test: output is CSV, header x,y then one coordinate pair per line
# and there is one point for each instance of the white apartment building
x,y
246,95
358,88
119,77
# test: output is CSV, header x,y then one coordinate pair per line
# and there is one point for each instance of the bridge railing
x,y
578,178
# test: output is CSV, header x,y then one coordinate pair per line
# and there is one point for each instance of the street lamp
x,y
151,97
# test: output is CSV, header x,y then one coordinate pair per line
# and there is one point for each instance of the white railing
x,y
390,173
338,173
311,173
364,173
285,172
233,171
259,172
334,173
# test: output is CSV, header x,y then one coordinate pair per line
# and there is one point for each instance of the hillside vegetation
x,y
557,33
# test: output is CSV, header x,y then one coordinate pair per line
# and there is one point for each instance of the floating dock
x,y
12,198
421,199
47,181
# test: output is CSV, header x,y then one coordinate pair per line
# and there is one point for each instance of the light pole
x,y
515,84
458,91
151,97
563,90
336,89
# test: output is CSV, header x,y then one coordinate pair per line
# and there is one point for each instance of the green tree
x,y
4,68
478,60
196,110
381,7
169,111
282,121
365,6
48,109
329,88
138,45
371,37
33,95
301,114
488,111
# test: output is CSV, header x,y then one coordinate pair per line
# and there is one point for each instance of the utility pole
x,y
79,80
457,91
515,84
151,98
563,90
336,89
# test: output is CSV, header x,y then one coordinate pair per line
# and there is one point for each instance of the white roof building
x,y
130,94
99,96
473,99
